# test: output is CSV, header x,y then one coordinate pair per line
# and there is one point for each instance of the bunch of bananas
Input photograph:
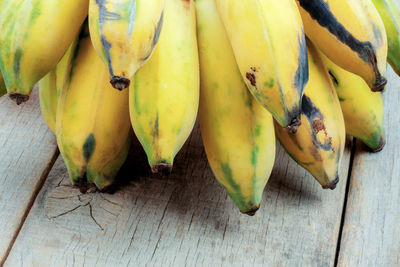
x,y
307,71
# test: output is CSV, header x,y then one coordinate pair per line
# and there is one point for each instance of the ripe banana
x,y
164,98
362,109
48,99
390,14
92,124
268,41
319,142
50,87
351,34
238,133
34,36
3,89
124,34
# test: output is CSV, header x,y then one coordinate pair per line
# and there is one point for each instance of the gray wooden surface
x,y
371,233
188,219
27,152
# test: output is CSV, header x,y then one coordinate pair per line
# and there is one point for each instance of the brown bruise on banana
x,y
293,121
317,124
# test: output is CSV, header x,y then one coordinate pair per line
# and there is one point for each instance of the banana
x,y
34,36
92,123
124,34
319,142
362,109
351,34
3,89
390,14
165,95
268,41
237,131
50,87
48,99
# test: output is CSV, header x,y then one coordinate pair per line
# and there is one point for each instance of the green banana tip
x,y
162,168
252,211
19,98
382,143
120,83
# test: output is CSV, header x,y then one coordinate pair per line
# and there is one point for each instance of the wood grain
x,y
27,152
371,232
186,218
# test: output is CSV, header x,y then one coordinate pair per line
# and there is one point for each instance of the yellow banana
x,y
362,109
351,34
92,124
50,87
318,145
238,133
3,89
269,45
165,95
48,99
124,34
34,36
390,14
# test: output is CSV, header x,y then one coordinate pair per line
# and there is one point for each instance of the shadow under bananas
x,y
189,195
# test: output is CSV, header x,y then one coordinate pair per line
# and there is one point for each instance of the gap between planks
x,y
39,186
346,194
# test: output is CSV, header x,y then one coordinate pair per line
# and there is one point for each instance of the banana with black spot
x,y
164,98
390,14
237,131
268,41
318,145
124,34
92,125
362,109
34,37
351,33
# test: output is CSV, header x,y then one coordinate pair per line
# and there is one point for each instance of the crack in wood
x,y
346,194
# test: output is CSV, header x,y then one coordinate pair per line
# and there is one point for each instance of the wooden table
x,y
187,218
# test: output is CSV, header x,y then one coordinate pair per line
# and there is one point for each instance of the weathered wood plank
x,y
371,232
27,152
185,219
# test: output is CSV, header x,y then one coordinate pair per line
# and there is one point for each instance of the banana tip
x,y
379,86
120,83
252,211
19,98
82,184
382,144
294,125
332,185
162,168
